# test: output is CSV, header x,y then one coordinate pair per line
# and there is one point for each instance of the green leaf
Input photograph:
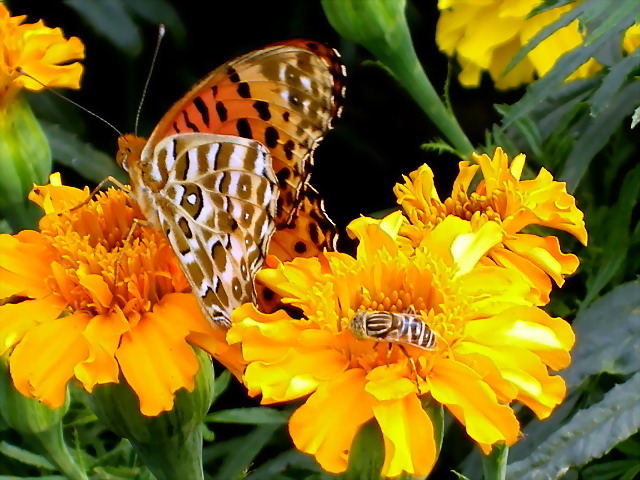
x,y
25,456
249,416
82,157
591,433
608,336
111,19
602,126
244,451
287,461
609,470
160,12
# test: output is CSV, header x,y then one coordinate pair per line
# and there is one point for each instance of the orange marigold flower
x,y
493,345
40,51
503,198
71,315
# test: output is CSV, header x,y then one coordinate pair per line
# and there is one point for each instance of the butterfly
x,y
226,170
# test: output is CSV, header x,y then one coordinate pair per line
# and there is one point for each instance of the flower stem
x,y
495,464
381,27
52,442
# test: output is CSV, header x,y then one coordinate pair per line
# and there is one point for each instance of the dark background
x,y
376,141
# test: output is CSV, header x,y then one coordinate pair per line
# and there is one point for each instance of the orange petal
x,y
390,382
156,361
327,423
41,367
103,335
473,403
18,318
409,441
24,264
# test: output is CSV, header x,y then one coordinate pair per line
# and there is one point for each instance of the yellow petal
x,y
41,367
408,437
102,334
473,403
327,423
18,318
156,361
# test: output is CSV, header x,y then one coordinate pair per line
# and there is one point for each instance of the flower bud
x,y
169,444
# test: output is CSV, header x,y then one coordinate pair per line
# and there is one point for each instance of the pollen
x,y
106,257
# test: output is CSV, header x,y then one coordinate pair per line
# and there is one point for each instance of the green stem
x,y
180,457
52,442
495,464
407,69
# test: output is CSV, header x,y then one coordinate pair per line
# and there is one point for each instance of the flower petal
x,y
409,441
473,403
41,367
327,423
153,373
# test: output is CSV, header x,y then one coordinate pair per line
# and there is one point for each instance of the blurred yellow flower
x,y
485,35
70,315
494,345
631,39
40,51
501,198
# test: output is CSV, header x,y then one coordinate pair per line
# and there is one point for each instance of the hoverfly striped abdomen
x,y
404,328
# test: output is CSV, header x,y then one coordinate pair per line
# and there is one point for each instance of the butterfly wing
x,y
217,206
285,96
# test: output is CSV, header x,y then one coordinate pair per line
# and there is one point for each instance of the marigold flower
x,y
493,344
503,198
486,35
40,51
631,39
78,318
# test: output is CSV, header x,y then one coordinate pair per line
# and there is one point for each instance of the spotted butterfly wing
x,y
215,197
283,96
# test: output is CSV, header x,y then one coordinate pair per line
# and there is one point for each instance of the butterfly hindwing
x,y
217,208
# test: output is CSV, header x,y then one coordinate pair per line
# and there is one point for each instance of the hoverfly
x,y
406,328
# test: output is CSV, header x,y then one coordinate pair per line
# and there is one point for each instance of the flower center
x,y
104,259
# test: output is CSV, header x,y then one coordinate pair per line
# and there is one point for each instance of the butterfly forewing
x,y
217,207
284,95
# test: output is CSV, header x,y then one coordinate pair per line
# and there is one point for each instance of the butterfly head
x,y
129,149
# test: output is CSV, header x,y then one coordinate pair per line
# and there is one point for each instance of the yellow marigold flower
x,y
485,35
631,39
78,319
493,344
40,51
503,198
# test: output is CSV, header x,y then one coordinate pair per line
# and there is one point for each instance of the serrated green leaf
x,y
240,458
82,157
598,134
249,416
614,81
591,433
285,461
608,336
25,456
613,470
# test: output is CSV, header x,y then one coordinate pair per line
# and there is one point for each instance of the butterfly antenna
x,y
161,31
58,94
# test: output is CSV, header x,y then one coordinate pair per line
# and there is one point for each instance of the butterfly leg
x,y
98,187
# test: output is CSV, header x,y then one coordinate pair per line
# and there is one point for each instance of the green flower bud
x,y
25,159
25,415
381,27
170,444
37,423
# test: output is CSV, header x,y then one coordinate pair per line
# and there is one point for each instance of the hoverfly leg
x,y
414,370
